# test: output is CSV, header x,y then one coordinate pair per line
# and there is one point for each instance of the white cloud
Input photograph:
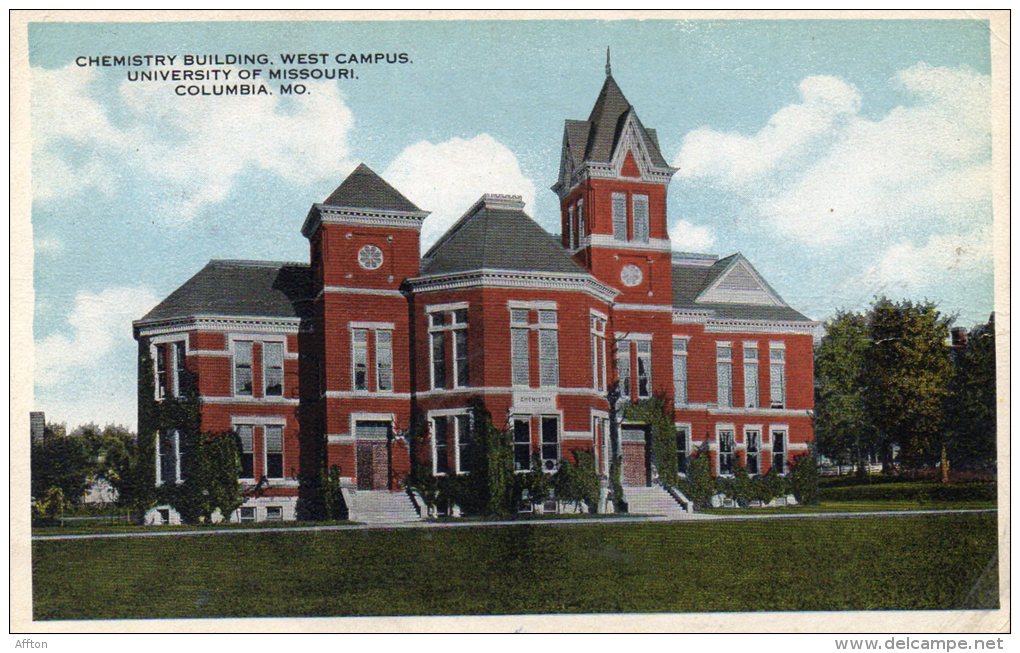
x,y
48,246
97,325
195,148
820,172
446,178
689,237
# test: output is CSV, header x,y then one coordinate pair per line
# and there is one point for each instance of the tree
x,y
211,467
804,479
971,441
908,371
843,431
60,462
699,486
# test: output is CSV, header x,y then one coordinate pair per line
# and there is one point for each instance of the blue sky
x,y
844,158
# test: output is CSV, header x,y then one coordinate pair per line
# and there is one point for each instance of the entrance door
x,y
373,463
636,462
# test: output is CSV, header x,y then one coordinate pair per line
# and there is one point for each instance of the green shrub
x,y
768,487
578,482
535,483
804,479
699,486
925,491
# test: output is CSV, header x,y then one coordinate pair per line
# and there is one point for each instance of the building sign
x,y
534,402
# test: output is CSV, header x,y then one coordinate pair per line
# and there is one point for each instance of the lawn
x,y
858,506
930,562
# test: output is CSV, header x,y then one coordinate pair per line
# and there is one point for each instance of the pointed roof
x,y
496,234
364,189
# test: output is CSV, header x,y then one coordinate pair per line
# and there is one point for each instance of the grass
x,y
85,528
857,506
929,562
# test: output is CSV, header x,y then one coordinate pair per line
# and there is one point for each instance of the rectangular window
x,y
272,368
620,216
178,368
463,435
384,360
623,367
247,515
581,231
359,358
548,357
598,353
274,513
246,433
777,375
274,451
683,437
571,243
644,368
752,439
440,439
726,446
779,451
519,355
522,444
242,368
168,466
550,443
160,371
460,353
724,375
680,371
750,375
640,218
438,360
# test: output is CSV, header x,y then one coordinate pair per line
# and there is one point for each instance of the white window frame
x,y
688,445
571,243
457,438
171,377
526,418
449,324
785,431
378,366
236,427
265,452
548,370
559,440
359,349
234,365
719,361
598,323
580,222
177,457
647,356
681,347
265,367
777,346
635,200
751,400
617,222
719,429
748,429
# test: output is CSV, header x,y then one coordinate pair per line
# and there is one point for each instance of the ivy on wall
x,y
657,413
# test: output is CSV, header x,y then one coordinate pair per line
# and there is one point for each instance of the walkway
x,y
696,517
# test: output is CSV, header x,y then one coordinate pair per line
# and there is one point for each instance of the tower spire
x,y
609,66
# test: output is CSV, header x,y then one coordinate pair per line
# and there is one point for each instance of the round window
x,y
631,275
370,257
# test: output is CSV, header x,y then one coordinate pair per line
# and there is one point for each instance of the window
x,y
246,433
752,439
359,359
160,367
724,374
580,221
571,242
779,451
242,368
519,347
680,371
247,515
178,367
462,423
644,368
440,444
274,451
164,515
598,352
522,444
548,350
168,457
726,446
623,367
384,360
750,375
274,513
272,368
683,436
455,321
550,443
620,216
777,374
640,218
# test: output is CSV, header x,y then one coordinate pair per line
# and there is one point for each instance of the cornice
x,y
327,214
513,279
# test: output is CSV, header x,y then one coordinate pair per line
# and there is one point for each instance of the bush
x,y
804,479
768,487
578,482
699,486
535,483
923,491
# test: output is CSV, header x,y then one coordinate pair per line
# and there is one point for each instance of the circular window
x,y
370,257
631,275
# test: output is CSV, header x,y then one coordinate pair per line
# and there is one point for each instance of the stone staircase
x,y
655,500
379,507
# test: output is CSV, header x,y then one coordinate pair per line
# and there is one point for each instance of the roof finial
x,y
609,66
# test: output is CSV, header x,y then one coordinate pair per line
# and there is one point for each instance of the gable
x,y
740,283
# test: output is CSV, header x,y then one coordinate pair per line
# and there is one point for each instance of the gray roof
x,y
363,189
240,288
689,281
494,237
596,138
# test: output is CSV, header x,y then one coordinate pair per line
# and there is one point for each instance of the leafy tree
x,y
843,431
536,482
578,482
768,487
492,472
211,467
60,462
972,416
699,486
908,371
742,487
804,479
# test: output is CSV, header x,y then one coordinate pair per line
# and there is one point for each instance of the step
x,y
380,507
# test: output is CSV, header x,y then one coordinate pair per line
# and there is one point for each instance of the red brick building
x,y
330,362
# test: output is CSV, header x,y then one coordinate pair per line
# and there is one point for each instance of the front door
x,y
373,461
636,462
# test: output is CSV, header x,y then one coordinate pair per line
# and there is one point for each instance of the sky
x,y
845,159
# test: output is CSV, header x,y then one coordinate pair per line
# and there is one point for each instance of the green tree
x,y
536,482
61,462
804,479
843,431
699,486
908,371
577,482
972,416
210,467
